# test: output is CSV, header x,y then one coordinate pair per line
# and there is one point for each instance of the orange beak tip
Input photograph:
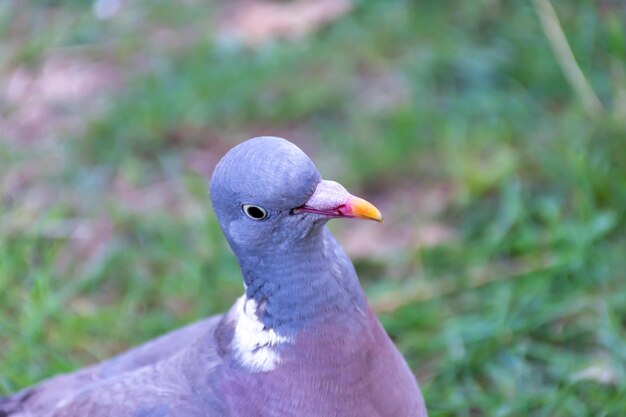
x,y
363,209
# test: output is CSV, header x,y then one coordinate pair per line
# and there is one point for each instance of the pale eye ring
x,y
254,212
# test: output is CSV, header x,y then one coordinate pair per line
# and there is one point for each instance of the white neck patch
x,y
254,345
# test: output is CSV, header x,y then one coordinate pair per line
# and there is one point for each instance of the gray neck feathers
x,y
302,283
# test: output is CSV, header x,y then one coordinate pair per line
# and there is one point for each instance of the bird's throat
x,y
304,283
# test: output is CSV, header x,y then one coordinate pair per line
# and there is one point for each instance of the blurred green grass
x,y
108,239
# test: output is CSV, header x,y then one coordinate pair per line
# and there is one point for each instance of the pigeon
x,y
301,341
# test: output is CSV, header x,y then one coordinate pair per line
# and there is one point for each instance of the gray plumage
x,y
302,341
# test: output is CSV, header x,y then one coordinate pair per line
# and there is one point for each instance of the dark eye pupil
x,y
255,212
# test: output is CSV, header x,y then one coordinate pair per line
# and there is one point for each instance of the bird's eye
x,y
254,212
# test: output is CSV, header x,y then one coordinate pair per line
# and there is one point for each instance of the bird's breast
x,y
335,369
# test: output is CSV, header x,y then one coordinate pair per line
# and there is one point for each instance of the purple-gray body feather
x,y
338,360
